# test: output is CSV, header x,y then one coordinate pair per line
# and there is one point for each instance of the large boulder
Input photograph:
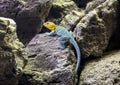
x,y
104,71
95,29
13,57
47,63
28,14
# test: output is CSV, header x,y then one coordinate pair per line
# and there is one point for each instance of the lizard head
x,y
50,25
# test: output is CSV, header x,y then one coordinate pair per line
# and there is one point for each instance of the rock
x,y
13,57
71,19
60,8
104,71
28,14
47,63
95,29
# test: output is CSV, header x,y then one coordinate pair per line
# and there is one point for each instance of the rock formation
x,y
13,57
93,31
28,14
97,27
47,64
95,24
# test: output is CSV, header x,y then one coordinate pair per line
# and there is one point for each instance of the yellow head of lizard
x,y
50,25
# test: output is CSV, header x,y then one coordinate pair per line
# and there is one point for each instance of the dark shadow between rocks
x,y
114,42
29,24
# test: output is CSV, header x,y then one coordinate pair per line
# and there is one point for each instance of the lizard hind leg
x,y
62,45
62,41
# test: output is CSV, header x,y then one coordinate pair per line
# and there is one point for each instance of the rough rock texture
x,y
104,71
60,8
71,19
28,14
97,26
47,64
12,54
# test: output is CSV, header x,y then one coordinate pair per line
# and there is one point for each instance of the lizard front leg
x,y
51,33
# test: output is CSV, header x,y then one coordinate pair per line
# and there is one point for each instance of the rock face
x,y
95,29
71,19
12,54
105,71
28,14
47,64
95,25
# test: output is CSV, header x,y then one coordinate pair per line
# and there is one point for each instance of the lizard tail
x,y
78,54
